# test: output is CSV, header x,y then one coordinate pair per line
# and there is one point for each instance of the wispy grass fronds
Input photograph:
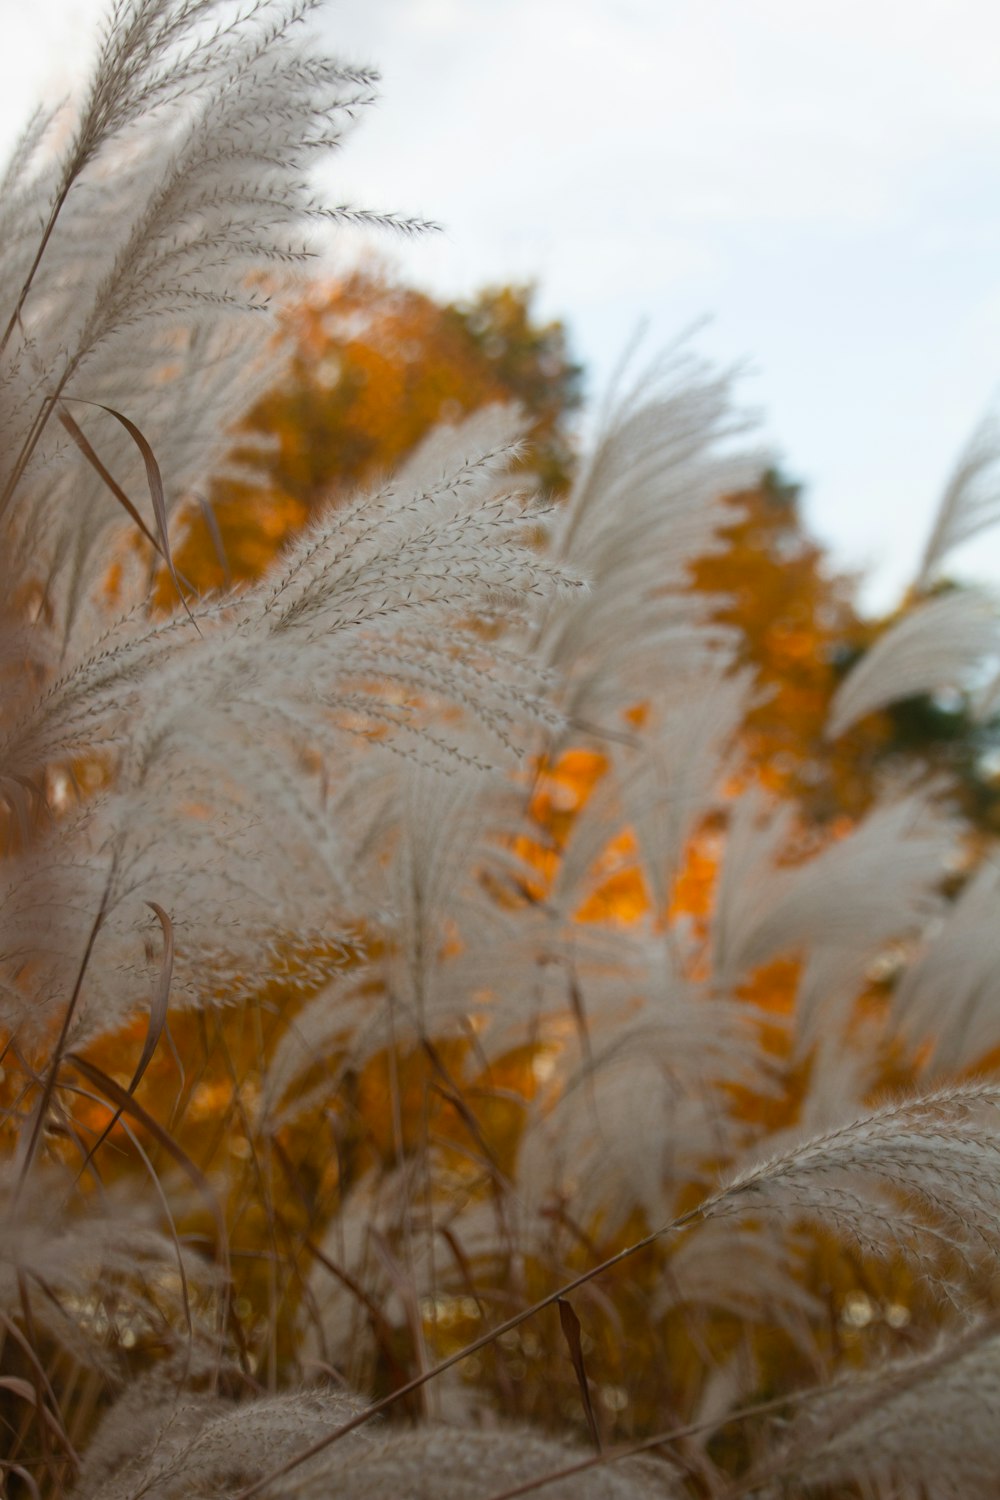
x,y
840,909
100,1274
184,180
925,1424
970,503
939,644
642,509
219,719
157,1444
468,1465
917,1176
654,1072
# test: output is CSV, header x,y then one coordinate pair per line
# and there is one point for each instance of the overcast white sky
x,y
821,178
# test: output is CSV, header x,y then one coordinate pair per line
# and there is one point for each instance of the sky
x,y
814,188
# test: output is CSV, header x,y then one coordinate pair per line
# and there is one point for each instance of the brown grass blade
x,y
48,1087
27,1348
154,1030
17,1387
161,996
214,530
86,448
23,1475
154,479
570,1325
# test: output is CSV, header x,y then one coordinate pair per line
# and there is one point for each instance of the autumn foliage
x,y
369,368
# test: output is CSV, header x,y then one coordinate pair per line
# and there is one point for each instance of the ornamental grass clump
x,y
434,1059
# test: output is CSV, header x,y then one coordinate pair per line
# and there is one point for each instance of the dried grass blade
x,y
18,1387
29,1351
214,530
23,1474
161,996
83,443
25,800
154,1029
580,1017
570,1325
49,1418
153,478
407,1293
452,1093
48,1087
463,1263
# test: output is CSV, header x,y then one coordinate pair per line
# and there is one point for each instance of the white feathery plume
x,y
452,961
643,508
657,786
450,1464
970,503
224,710
918,1177
674,781
925,1424
752,1272
844,1074
838,909
960,960
95,1273
640,1115
939,644
192,149
158,1442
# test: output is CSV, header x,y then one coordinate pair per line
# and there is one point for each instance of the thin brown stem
x,y
57,207
48,1088
32,440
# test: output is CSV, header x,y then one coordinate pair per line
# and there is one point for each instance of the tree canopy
x,y
368,369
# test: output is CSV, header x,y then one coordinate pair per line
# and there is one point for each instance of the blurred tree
x,y
799,627
371,368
